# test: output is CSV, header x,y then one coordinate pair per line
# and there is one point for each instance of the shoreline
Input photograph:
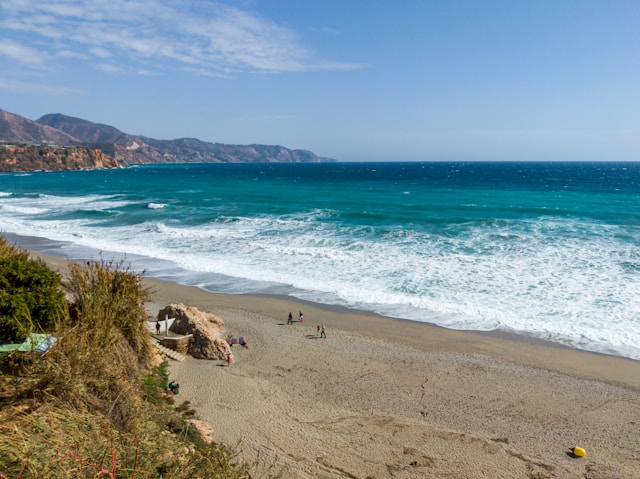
x,y
387,398
523,348
47,248
519,349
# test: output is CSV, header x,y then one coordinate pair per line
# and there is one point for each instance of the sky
x,y
353,80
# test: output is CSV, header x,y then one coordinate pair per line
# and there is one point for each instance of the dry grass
x,y
92,406
7,249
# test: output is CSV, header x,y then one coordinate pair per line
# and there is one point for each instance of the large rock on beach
x,y
208,340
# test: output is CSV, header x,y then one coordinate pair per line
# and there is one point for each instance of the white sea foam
x,y
23,210
156,206
553,278
41,204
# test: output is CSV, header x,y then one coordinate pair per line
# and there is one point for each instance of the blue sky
x,y
352,80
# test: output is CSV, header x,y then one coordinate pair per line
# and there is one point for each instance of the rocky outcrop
x,y
53,158
207,330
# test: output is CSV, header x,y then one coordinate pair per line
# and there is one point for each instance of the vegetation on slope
x,y
93,406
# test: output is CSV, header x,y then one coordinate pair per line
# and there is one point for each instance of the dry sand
x,y
383,398
387,398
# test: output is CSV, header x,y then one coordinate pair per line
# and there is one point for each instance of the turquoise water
x,y
550,250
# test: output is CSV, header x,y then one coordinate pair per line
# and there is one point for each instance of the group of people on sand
x,y
321,329
300,317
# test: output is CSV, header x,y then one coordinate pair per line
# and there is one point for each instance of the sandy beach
x,y
385,398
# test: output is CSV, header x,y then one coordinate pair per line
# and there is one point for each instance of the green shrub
x,y
31,298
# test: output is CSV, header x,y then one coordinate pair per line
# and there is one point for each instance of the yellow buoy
x,y
579,452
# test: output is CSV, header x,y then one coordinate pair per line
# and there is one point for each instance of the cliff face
x,y
52,158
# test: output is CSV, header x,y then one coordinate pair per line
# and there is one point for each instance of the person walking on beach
x,y
229,359
300,316
290,320
323,333
318,329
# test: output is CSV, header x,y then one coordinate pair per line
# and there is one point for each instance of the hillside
x,y
15,128
96,403
126,149
133,149
85,131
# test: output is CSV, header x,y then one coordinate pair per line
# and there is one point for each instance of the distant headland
x,y
60,142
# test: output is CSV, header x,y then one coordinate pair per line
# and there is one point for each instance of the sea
x,y
544,250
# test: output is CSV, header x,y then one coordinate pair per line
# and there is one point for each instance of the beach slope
x,y
384,398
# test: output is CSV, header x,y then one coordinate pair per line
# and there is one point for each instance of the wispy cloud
x,y
108,68
22,86
22,53
153,35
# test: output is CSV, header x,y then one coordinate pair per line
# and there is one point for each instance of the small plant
x,y
154,384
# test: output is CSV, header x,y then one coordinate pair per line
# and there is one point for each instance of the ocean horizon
x,y
548,250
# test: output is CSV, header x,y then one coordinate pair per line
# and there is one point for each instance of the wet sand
x,y
385,398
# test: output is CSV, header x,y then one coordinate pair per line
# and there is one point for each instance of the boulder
x,y
207,330
203,430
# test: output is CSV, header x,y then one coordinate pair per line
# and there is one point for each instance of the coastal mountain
x,y
134,149
63,151
84,130
15,128
62,130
